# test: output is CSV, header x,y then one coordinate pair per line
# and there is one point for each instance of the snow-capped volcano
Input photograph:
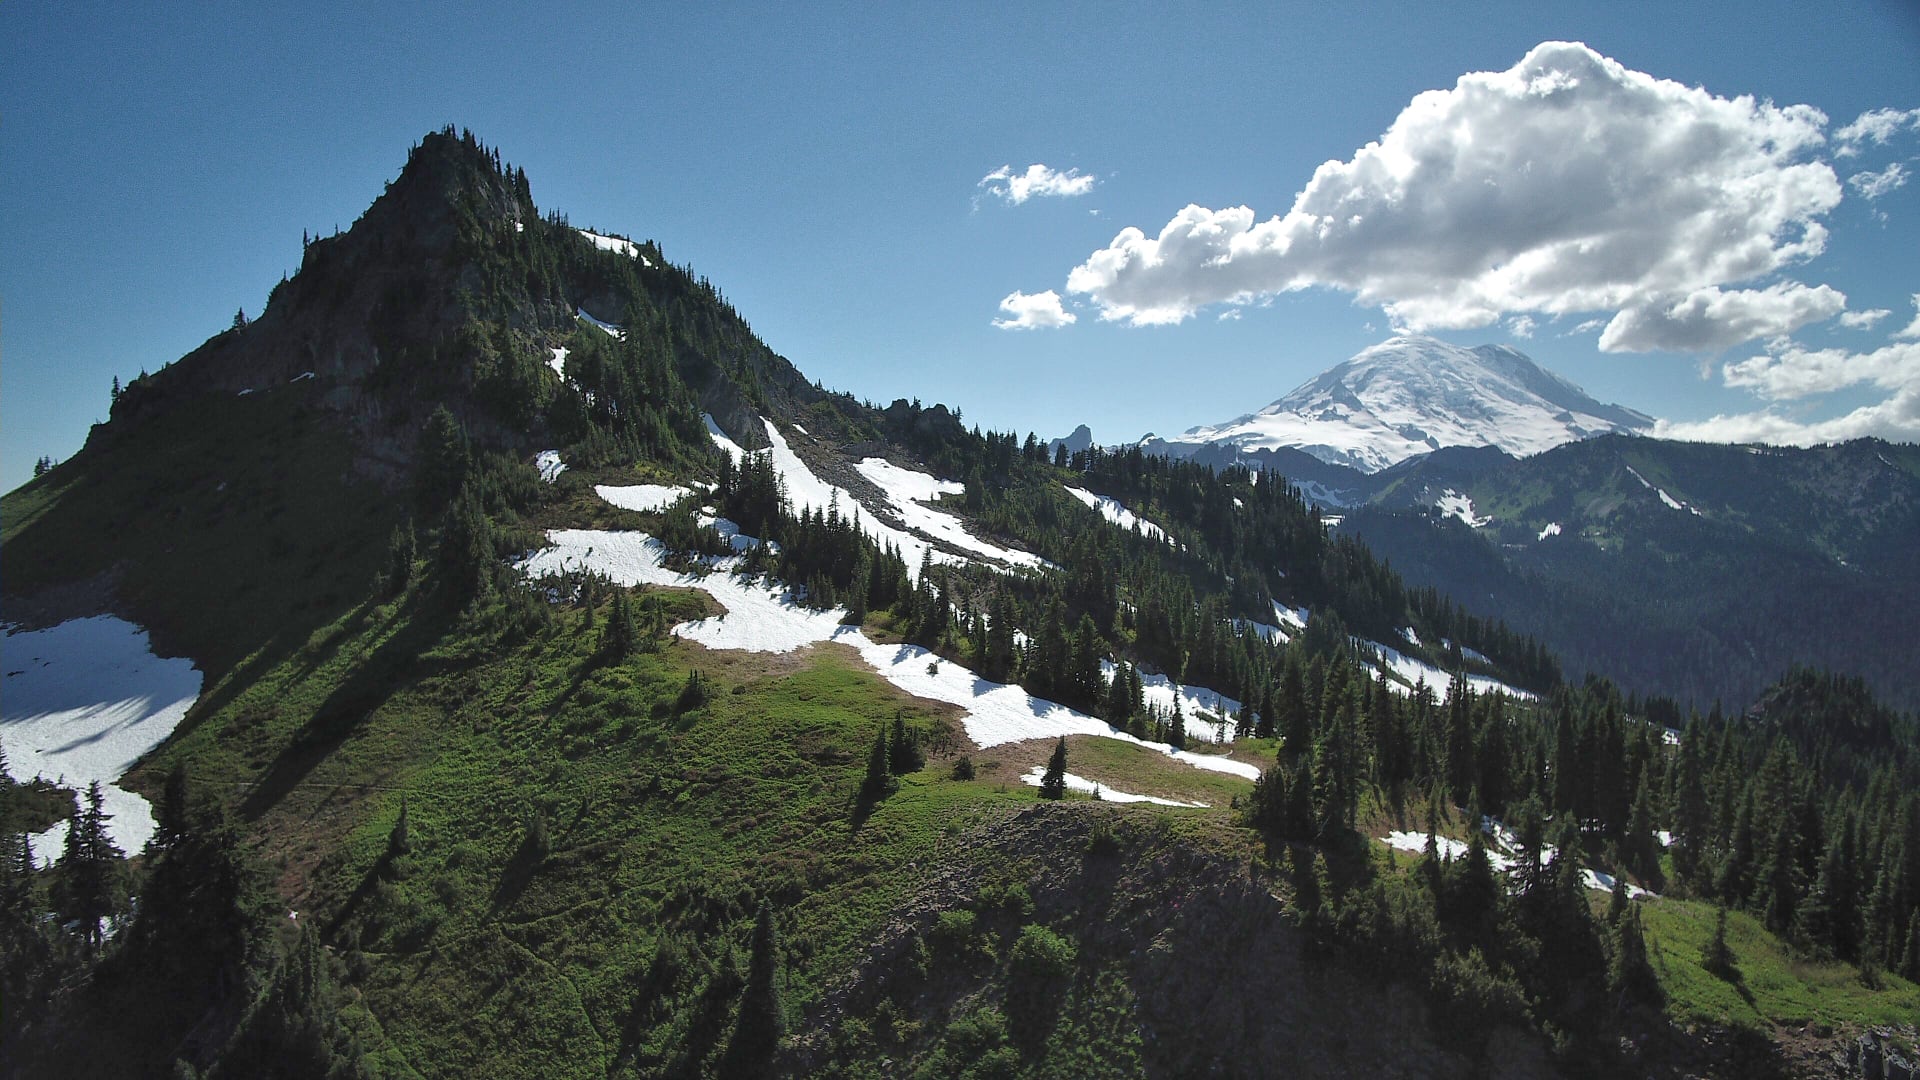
x,y
1410,395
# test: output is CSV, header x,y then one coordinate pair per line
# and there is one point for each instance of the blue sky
x,y
823,166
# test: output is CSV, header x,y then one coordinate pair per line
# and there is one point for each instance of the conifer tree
x,y
903,749
762,1020
878,781
89,876
1053,782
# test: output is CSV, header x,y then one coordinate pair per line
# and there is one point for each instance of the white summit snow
x,y
83,701
617,244
1113,510
642,498
1086,786
1413,394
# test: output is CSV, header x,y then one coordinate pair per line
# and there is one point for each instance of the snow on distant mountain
x,y
1411,395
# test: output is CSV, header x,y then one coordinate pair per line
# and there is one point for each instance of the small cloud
x,y
1038,180
1033,311
1872,185
1230,315
1521,326
1863,320
1913,328
1875,126
1587,327
1093,213
1711,319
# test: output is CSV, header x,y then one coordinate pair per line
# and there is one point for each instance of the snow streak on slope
x,y
1410,395
907,492
1086,786
559,361
1672,503
613,243
1113,511
1502,862
1441,682
804,489
83,701
642,498
611,329
764,618
550,465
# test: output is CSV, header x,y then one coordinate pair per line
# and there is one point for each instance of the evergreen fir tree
x,y
1053,782
762,1020
903,750
878,782
1716,956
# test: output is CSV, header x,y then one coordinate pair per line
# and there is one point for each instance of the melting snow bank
x,y
83,701
1082,784
1503,862
550,465
1112,509
643,498
1414,671
908,490
614,243
1454,504
766,618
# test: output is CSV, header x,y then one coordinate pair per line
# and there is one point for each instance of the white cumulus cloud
x,y
1875,126
1913,328
1863,320
1897,418
1872,185
1565,184
1789,370
1038,180
1033,311
1521,326
1712,319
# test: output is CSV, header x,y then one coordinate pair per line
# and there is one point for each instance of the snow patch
x,y
1114,511
616,244
1082,784
642,498
907,492
1672,503
559,361
84,700
550,465
1552,529
302,377
1204,713
619,333
1413,671
765,618
1454,504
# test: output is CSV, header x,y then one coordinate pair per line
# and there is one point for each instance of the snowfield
x,y
83,701
1115,512
1454,504
642,498
765,618
614,243
612,330
909,490
1084,785
1413,671
1204,713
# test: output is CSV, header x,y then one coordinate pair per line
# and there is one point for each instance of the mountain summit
x,y
1412,394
